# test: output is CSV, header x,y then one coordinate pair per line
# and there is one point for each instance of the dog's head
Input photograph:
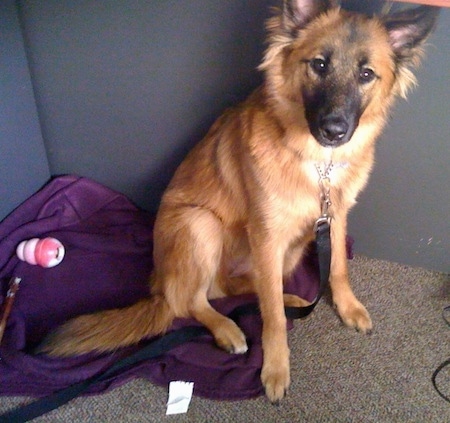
x,y
336,68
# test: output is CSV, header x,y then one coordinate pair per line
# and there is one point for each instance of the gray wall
x,y
125,88
23,166
404,214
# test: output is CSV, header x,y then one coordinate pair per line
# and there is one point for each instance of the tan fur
x,y
240,209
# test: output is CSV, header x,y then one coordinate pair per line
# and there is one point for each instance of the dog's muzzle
x,y
332,119
334,130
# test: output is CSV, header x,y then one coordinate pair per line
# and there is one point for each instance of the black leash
x,y
323,248
53,401
172,340
442,365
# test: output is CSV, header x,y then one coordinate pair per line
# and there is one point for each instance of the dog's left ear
x,y
408,29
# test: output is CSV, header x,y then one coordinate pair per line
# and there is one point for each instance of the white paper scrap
x,y
180,394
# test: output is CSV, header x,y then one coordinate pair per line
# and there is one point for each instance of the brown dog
x,y
241,208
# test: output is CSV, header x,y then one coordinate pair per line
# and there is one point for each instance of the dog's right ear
x,y
297,13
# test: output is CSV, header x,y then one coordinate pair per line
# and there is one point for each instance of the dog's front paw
x,y
275,380
355,315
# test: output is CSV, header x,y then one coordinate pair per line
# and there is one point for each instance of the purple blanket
x,y
108,245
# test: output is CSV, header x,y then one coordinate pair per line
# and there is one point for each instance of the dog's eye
x,y
319,65
366,75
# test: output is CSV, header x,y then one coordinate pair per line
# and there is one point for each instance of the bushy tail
x,y
111,329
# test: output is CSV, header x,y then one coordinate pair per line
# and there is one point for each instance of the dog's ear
x,y
297,13
283,27
408,29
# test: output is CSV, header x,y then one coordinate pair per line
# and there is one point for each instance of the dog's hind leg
x,y
291,260
190,268
291,300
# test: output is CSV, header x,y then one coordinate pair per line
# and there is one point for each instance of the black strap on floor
x,y
53,401
171,340
445,315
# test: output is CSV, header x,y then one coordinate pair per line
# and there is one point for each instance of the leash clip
x,y
324,183
325,217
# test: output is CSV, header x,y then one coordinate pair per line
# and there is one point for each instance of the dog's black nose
x,y
334,129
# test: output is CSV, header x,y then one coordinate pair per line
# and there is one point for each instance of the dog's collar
x,y
329,167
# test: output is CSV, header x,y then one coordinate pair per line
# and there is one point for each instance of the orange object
x,y
441,3
7,306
